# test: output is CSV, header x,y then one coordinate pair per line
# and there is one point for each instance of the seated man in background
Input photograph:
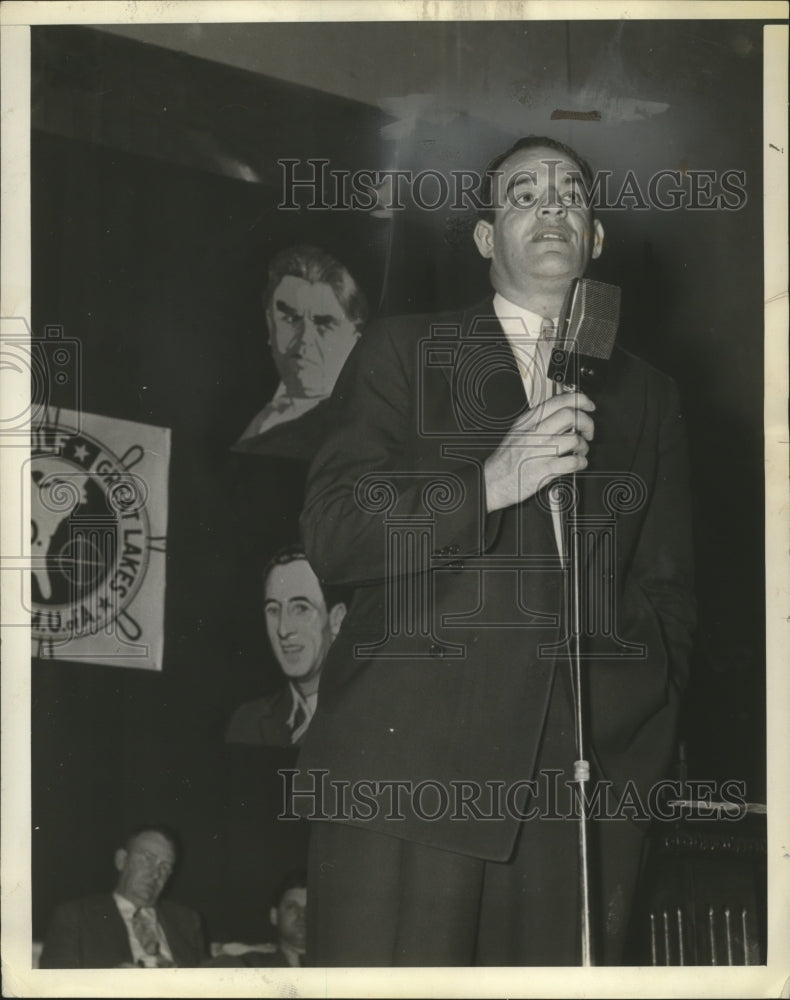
x,y
302,621
288,916
131,927
315,312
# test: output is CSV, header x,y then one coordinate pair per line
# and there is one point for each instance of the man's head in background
x,y
315,312
302,618
540,231
288,911
144,864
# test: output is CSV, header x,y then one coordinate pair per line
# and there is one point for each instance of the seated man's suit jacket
x,y
462,694
90,934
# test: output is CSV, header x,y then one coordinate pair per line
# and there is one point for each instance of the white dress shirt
x,y
522,329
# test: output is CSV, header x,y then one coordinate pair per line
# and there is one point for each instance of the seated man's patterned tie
x,y
144,927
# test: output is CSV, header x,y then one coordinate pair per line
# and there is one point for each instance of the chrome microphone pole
x,y
581,766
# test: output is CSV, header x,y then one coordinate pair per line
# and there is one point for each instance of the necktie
x,y
548,334
299,717
541,390
299,723
144,927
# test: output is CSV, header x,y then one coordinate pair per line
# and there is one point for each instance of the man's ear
x,y
597,239
336,615
484,238
120,858
273,916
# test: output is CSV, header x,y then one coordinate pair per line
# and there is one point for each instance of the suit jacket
x,y
90,933
264,721
423,400
298,439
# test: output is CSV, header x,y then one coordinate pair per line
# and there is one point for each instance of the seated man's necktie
x,y
144,927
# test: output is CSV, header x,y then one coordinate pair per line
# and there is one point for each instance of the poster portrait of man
x,y
315,313
469,324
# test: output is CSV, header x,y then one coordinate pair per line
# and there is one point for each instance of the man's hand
x,y
548,441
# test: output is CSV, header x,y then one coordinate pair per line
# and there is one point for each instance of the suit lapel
x,y
479,391
111,927
275,730
172,933
487,382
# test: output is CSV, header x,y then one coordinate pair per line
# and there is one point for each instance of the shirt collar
x,y
291,953
519,322
127,907
280,409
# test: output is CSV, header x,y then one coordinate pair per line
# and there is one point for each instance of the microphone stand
x,y
581,766
589,316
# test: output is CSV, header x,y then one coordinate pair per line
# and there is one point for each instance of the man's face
x,y
542,234
144,866
310,336
289,918
300,628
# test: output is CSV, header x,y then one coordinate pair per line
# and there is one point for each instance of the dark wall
x,y
157,269
154,262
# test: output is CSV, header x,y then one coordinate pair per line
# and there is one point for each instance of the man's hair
x,y
164,831
486,212
294,553
316,265
296,878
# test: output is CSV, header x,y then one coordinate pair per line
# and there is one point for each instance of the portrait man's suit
x,y
264,721
297,439
481,716
90,933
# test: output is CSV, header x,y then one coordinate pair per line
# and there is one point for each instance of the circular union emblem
x,y
90,533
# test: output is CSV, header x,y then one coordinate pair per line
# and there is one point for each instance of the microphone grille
x,y
594,317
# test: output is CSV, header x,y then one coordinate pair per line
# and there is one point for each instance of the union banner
x,y
98,511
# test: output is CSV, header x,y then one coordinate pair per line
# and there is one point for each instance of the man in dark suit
x,y
315,312
287,916
131,927
437,765
302,621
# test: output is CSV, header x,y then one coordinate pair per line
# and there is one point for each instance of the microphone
x,y
587,331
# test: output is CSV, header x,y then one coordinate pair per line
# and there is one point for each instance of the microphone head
x,y
587,328
590,316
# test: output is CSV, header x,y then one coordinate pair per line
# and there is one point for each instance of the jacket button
x,y
436,650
